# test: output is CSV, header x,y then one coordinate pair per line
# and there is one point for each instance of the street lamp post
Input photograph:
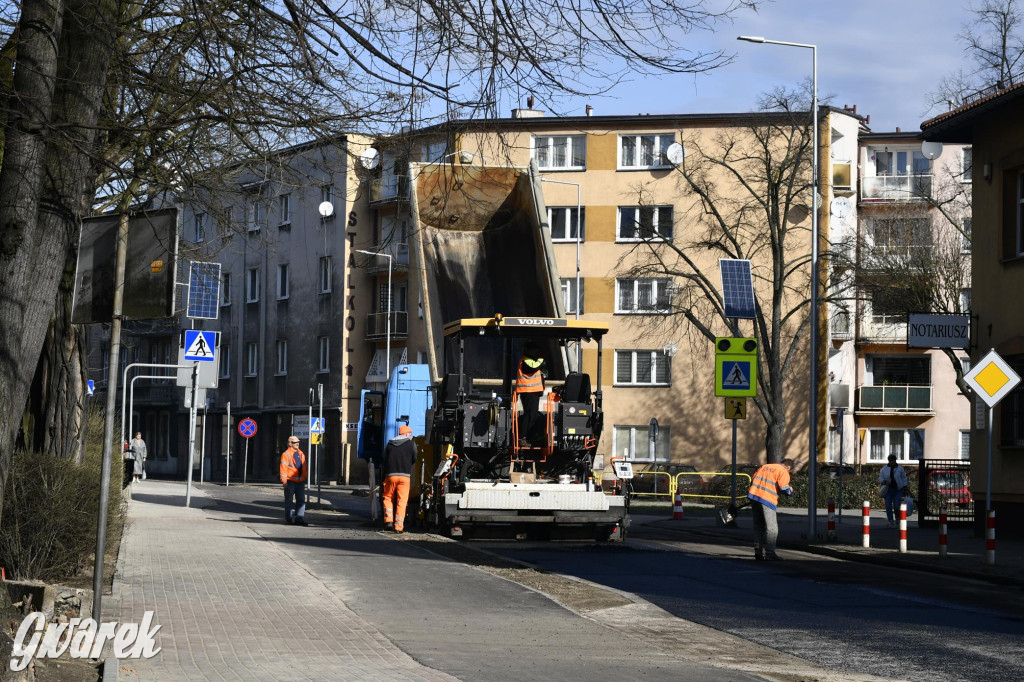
x,y
812,510
387,343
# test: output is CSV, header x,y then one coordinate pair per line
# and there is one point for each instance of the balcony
x,y
842,326
883,329
389,188
895,188
377,325
399,260
892,399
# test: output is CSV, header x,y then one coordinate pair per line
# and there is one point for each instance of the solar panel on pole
x,y
737,288
203,291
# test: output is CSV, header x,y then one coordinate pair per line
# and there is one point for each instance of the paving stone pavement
x,y
233,606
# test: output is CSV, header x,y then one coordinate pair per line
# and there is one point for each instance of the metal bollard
x,y
866,516
943,537
903,527
990,538
831,520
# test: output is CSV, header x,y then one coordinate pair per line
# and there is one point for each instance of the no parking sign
x,y
247,428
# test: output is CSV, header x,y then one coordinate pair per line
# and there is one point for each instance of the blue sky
x,y
882,55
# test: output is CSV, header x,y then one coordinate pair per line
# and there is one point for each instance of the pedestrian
x,y
399,457
138,448
769,481
894,478
529,388
293,476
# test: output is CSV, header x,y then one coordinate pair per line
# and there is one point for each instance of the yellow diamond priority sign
x,y
992,378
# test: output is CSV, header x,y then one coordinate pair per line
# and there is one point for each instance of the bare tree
x,y
748,191
129,100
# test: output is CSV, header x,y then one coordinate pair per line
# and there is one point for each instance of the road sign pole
x,y
245,461
320,442
227,461
839,422
988,466
309,454
202,447
734,463
191,437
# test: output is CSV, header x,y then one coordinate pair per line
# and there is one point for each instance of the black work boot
x,y
758,555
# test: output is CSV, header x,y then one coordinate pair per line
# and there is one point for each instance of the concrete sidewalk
x,y
965,552
234,606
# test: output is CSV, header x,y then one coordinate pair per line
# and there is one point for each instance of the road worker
x,y
399,457
529,388
769,481
293,477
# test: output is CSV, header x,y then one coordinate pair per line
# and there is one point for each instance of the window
x,y
965,444
906,444
642,368
225,288
324,354
889,305
901,162
898,370
225,361
967,164
252,286
569,297
643,295
258,216
282,357
327,194
965,235
325,274
1020,214
433,151
200,228
252,359
900,235
560,152
640,223
1011,409
965,300
282,281
284,209
644,151
633,443
564,223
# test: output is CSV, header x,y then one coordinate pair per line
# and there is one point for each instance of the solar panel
x,y
203,291
737,288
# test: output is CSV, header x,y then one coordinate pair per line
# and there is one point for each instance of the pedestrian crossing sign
x,y
200,346
317,425
735,368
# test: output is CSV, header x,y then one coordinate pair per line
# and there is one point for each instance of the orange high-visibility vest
x,y
766,484
288,471
529,383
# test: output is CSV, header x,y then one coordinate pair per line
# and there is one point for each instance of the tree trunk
x,y
43,182
773,440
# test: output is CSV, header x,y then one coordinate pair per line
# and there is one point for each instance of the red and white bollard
x,y
943,537
990,538
831,520
677,508
866,516
903,527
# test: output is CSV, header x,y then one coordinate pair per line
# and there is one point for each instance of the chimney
x,y
590,110
898,129
529,102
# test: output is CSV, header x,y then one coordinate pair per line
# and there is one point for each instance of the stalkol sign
x,y
928,330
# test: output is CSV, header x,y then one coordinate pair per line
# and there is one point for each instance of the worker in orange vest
x,y
529,387
399,458
769,481
293,477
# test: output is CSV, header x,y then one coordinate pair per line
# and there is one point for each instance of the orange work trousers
x,y
396,499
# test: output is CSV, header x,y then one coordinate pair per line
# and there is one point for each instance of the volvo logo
x,y
539,321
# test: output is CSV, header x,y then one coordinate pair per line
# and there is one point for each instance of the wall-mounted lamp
x,y
986,171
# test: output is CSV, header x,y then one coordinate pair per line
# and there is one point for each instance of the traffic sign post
x,y
735,367
247,429
200,346
735,408
991,379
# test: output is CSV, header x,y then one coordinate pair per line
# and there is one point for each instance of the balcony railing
x,y
842,327
399,258
881,188
893,399
377,325
389,188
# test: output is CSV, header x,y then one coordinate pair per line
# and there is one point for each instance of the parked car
x,y
951,486
721,483
689,484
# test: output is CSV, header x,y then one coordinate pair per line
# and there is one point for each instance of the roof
x,y
533,327
957,125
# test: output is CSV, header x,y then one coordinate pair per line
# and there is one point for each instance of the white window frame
x,y
225,361
966,231
225,289
657,358
568,286
252,285
542,152
967,164
327,194
966,456
258,216
657,284
658,235
323,354
326,267
281,351
283,282
659,145
887,445
433,152
252,356
569,222
634,444
284,209
199,228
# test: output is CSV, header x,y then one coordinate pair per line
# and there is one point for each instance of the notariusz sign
x,y
928,330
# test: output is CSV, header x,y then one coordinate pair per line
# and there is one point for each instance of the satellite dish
x,y
326,209
675,153
369,159
841,207
931,150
